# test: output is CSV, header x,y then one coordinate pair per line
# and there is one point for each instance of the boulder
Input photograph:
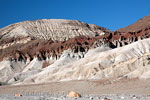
x,y
17,95
73,94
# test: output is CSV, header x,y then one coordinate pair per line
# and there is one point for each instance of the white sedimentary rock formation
x,y
55,29
131,61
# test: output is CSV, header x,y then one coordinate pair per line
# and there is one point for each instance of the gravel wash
x,y
46,96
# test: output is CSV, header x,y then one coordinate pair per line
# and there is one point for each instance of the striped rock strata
x,y
64,50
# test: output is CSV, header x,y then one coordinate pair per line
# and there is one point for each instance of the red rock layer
x,y
47,48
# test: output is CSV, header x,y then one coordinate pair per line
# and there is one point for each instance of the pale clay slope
x,y
55,29
130,61
126,62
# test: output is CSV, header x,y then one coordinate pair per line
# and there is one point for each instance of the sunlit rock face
x,y
131,61
139,25
51,50
52,29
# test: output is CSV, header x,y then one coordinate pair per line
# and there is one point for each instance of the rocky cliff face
x,y
68,50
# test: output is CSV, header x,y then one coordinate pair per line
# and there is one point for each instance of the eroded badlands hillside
x,y
140,24
57,50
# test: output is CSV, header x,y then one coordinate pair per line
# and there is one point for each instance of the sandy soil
x,y
89,89
84,87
